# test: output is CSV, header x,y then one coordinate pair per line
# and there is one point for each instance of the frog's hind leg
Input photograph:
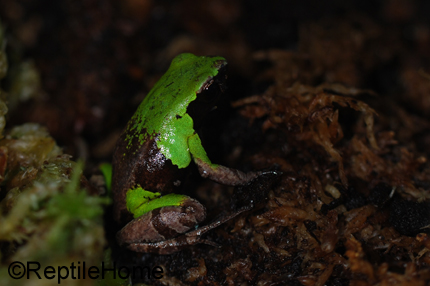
x,y
161,224
172,245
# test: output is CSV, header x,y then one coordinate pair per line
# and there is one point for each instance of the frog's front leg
x,y
214,172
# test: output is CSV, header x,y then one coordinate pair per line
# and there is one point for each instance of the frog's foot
x,y
172,245
169,246
164,247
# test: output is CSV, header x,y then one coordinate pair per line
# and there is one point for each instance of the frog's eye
x,y
207,84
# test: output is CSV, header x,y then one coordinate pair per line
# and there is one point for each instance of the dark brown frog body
x,y
145,166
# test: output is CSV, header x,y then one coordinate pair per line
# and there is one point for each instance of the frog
x,y
157,145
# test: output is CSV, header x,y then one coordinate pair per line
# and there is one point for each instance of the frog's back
x,y
168,100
